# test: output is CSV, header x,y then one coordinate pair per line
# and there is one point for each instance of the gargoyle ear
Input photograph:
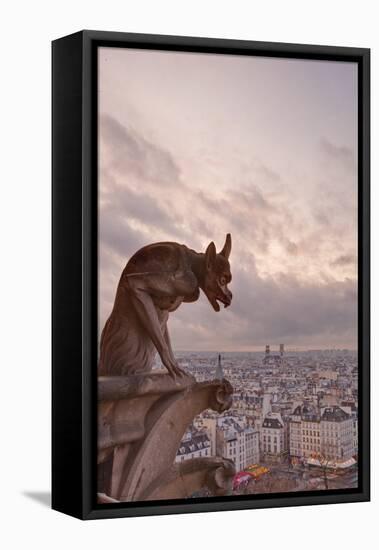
x,y
227,247
210,256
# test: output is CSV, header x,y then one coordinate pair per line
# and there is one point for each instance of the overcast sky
x,y
192,146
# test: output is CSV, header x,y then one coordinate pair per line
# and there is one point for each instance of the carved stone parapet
x,y
186,478
142,419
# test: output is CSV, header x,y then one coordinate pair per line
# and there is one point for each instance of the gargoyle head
x,y
217,274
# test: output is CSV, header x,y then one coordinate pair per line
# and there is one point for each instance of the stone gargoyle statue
x,y
155,282
143,413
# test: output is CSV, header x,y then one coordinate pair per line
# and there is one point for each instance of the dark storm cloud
x,y
117,235
251,215
132,154
342,154
321,218
287,309
247,211
126,204
267,173
144,199
345,259
265,310
118,242
133,164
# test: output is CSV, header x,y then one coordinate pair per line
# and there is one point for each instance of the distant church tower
x,y
219,373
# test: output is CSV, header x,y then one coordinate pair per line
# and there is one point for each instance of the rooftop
x,y
334,414
198,442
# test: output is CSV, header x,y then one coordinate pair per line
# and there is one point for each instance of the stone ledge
x,y
155,383
142,419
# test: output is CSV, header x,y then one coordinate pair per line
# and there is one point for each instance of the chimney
x,y
281,348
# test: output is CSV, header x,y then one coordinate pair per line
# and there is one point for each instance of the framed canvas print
x,y
210,274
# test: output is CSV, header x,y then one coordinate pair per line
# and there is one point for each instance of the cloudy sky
x,y
192,146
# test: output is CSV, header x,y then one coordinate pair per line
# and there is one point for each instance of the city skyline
x,y
293,422
192,146
274,350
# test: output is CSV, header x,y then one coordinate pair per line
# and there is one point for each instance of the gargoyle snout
x,y
229,296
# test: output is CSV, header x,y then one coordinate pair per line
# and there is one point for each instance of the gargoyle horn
x,y
227,247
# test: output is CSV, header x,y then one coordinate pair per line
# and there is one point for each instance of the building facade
x,y
238,442
330,433
273,438
337,438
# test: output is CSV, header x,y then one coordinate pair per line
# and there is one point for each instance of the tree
x,y
325,464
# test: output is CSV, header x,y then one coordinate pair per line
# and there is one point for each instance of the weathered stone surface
x,y
125,400
184,479
142,419
143,414
157,279
157,382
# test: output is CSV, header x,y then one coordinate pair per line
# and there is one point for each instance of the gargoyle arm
x,y
147,313
168,342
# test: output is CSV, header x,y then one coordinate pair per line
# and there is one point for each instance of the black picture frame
x,y
74,272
